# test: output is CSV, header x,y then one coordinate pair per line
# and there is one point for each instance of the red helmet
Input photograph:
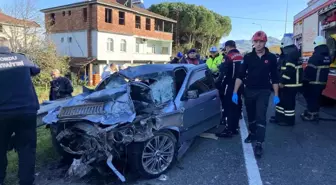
x,y
260,35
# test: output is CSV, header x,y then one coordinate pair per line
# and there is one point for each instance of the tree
x,y
27,37
196,26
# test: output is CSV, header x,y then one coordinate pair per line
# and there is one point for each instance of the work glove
x,y
235,98
276,100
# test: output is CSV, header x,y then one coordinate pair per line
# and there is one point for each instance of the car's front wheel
x,y
155,156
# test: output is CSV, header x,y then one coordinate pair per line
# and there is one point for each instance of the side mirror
x,y
192,94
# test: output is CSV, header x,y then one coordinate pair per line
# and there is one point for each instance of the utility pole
x,y
286,16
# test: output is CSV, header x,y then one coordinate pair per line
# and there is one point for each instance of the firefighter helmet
x,y
319,40
260,35
286,41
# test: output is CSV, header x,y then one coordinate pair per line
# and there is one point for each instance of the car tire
x,y
67,158
139,155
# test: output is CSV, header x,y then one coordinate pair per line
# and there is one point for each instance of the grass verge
x,y
44,154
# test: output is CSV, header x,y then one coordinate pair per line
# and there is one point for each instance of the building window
x,y
153,49
63,13
137,47
148,24
158,25
123,45
85,14
62,39
137,22
110,44
108,15
165,50
1,28
122,18
52,19
69,12
69,39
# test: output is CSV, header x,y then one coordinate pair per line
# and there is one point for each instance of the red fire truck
x,y
319,18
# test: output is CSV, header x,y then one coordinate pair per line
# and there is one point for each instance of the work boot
x,y
226,134
273,120
250,138
258,150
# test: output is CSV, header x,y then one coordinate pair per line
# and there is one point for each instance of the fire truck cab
x,y
319,18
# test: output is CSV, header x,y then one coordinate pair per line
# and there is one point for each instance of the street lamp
x,y
258,24
286,16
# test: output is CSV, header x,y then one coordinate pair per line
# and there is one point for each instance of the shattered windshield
x,y
161,84
114,81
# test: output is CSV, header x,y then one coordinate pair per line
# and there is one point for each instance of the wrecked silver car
x,y
144,114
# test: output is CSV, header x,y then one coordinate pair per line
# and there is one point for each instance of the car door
x,y
204,112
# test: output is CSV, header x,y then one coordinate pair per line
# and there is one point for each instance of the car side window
x,y
200,82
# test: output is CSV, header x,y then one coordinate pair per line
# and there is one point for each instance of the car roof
x,y
134,72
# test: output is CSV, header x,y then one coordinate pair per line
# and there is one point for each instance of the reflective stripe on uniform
x,y
283,68
286,77
292,85
290,64
263,126
279,109
289,111
289,114
318,83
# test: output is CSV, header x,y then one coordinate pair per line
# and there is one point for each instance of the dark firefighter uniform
x,y
315,80
228,72
18,113
291,79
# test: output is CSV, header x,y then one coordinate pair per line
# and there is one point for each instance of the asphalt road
x,y
299,155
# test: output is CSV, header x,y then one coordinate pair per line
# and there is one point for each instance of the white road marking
x,y
252,168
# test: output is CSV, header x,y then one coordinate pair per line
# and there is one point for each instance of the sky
x,y
247,16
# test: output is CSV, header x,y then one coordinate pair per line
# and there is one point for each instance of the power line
x,y
273,20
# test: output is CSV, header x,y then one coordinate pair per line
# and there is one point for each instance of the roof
x,y
134,72
112,3
11,20
80,62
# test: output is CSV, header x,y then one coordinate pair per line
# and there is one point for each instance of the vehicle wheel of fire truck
x,y
154,157
67,158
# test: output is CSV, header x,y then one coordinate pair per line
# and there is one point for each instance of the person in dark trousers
x,y
261,66
315,78
18,113
290,83
60,87
229,71
177,59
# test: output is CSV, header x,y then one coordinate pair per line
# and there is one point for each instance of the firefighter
x,y
229,71
261,65
214,60
18,112
315,78
290,83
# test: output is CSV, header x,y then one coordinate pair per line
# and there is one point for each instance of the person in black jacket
x,y
315,78
228,72
290,83
60,87
18,112
177,59
261,66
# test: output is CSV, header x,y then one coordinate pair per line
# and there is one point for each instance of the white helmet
x,y
319,40
286,41
213,49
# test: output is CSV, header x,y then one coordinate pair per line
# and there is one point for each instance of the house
x,y
98,32
16,33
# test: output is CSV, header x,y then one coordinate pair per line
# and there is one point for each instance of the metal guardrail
x,y
45,108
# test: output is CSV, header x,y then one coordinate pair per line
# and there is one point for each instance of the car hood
x,y
107,107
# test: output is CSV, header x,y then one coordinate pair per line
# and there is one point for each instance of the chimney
x,y
128,3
